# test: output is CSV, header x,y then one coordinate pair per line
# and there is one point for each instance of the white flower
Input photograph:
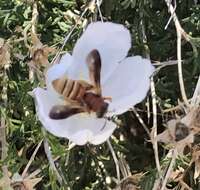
x,y
125,80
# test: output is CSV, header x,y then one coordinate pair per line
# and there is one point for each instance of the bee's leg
x,y
85,106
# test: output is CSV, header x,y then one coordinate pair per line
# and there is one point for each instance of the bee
x,y
81,96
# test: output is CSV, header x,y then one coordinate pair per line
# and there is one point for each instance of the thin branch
x,y
33,174
153,134
31,159
141,122
180,32
33,31
165,63
180,72
166,26
144,37
115,160
34,18
31,25
3,123
154,128
25,31
195,98
170,169
162,65
124,167
3,145
50,158
156,185
98,3
54,60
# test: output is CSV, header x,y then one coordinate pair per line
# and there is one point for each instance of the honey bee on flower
x,y
95,82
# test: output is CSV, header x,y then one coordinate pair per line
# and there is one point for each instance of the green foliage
x,y
90,167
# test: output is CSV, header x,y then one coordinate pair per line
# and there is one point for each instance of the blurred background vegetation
x,y
92,167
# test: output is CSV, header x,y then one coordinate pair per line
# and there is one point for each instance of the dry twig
x,y
31,159
141,122
50,159
115,160
5,59
180,33
170,169
154,128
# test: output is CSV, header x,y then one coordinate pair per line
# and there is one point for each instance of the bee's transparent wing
x,y
93,61
64,111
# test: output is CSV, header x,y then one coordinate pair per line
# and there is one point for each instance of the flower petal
x,y
84,136
80,128
128,85
58,70
111,40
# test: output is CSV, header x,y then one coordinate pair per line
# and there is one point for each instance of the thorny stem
x,y
115,159
180,32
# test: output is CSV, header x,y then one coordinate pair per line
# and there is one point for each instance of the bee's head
x,y
102,110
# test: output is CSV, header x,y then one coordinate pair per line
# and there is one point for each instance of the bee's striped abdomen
x,y
70,89
59,84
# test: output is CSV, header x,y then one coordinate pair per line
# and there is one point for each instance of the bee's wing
x,y
64,111
93,61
